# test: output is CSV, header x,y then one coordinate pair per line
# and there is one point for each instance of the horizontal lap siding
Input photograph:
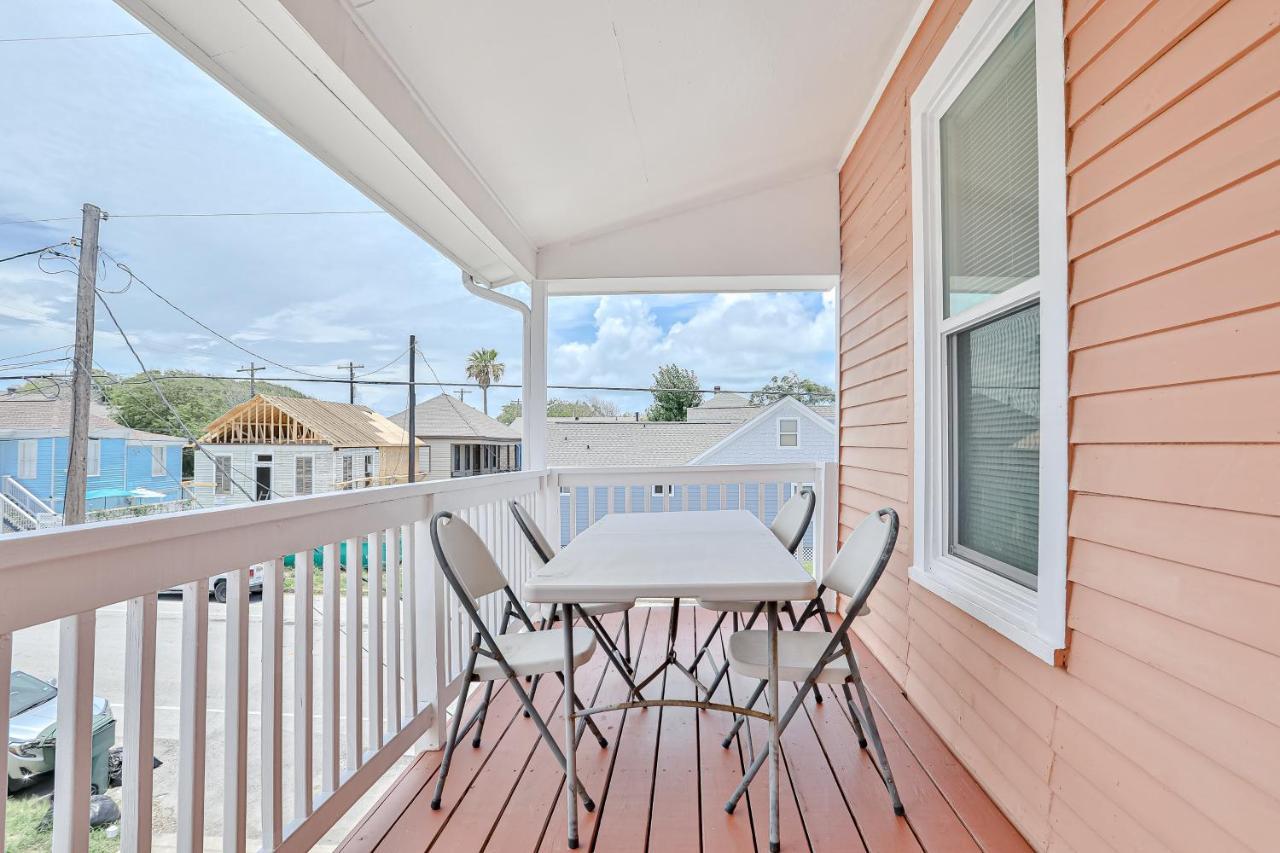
x,y
1162,730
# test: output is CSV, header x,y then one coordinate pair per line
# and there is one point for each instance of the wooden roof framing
x,y
299,420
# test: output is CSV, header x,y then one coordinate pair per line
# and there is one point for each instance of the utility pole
x,y
413,404
351,367
76,633
462,394
252,370
81,376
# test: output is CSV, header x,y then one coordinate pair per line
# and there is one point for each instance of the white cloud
x,y
734,340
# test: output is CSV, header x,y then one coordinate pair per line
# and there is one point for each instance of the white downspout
x,y
533,366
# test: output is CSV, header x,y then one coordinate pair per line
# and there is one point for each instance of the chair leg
x,y
545,734
614,655
626,639
739,720
878,745
457,721
586,721
483,712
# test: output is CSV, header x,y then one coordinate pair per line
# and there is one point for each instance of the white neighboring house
x,y
461,441
784,431
279,447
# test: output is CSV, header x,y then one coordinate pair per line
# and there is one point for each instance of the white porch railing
x,y
388,658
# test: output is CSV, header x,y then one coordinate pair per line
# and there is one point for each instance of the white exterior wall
x,y
757,442
244,461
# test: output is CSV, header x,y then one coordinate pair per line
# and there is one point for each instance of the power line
x,y
32,252
220,214
78,38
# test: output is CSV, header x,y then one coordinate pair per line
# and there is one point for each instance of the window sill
x,y
1005,607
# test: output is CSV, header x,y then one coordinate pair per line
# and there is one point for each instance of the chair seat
x,y
798,654
544,610
536,653
728,606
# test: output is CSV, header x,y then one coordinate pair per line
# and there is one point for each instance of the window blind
x,y
989,171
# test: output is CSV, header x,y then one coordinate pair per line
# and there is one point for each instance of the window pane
x,y
996,444
990,197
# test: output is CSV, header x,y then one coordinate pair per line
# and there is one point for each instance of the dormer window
x,y
788,432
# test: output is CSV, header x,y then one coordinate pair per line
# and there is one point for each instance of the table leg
x,y
775,739
570,741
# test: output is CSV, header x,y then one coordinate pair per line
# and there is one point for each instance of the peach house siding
x,y
1161,730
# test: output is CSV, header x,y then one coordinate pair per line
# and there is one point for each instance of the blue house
x,y
126,467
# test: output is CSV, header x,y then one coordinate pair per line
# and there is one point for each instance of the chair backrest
x,y
464,558
793,519
863,557
532,533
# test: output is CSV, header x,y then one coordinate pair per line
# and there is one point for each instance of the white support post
x,y
330,684
534,379
303,703
193,715
271,738
235,778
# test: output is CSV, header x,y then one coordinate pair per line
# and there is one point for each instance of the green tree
x,y
792,385
675,391
196,401
510,411
483,366
591,407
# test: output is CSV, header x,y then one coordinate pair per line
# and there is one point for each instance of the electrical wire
x,y
201,215
32,252
76,38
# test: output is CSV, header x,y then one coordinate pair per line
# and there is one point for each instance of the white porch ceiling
x,y
646,145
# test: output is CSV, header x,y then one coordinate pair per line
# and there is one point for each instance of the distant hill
x,y
135,403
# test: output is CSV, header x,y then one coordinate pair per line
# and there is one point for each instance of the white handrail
x,y
20,495
390,680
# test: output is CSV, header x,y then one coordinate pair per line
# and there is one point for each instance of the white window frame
x,y
93,458
311,477
158,453
1035,619
28,458
796,432
225,469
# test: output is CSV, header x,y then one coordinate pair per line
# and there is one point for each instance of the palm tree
x,y
483,366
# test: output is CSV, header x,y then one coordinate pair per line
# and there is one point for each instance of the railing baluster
x,y
760,502
393,629
192,714
330,655
573,513
375,640
6,665
272,698
355,709
235,778
303,708
413,694
139,723
72,761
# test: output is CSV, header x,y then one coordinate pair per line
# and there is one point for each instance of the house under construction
x,y
274,447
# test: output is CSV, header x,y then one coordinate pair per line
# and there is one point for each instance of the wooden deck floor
x,y
663,780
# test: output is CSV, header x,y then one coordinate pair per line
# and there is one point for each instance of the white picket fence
x,y
390,647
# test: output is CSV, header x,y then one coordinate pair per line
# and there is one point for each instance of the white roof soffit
x,y
628,147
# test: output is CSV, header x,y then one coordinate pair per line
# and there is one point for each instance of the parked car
x,y
33,724
218,583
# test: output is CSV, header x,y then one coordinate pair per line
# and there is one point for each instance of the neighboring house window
x,y
424,459
368,470
93,458
222,475
347,471
788,432
659,491
28,454
157,461
988,143
304,469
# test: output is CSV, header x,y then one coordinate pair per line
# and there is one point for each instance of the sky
x,y
125,122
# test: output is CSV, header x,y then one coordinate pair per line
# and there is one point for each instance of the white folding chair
x,y
790,526
472,573
590,614
813,657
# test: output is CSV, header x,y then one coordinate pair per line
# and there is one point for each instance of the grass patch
x,y
22,833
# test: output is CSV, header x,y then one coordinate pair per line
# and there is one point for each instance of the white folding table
x,y
722,555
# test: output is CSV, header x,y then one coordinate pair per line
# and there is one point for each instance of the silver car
x,y
33,724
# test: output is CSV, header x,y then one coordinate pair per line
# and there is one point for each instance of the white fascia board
x,y
307,68
785,236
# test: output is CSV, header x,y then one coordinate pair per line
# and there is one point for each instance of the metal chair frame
x,y
484,643
840,646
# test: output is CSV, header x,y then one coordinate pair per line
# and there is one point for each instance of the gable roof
x,y
36,416
783,405
725,400
268,419
587,443
445,416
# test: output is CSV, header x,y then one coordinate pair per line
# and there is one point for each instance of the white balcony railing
x,y
366,672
